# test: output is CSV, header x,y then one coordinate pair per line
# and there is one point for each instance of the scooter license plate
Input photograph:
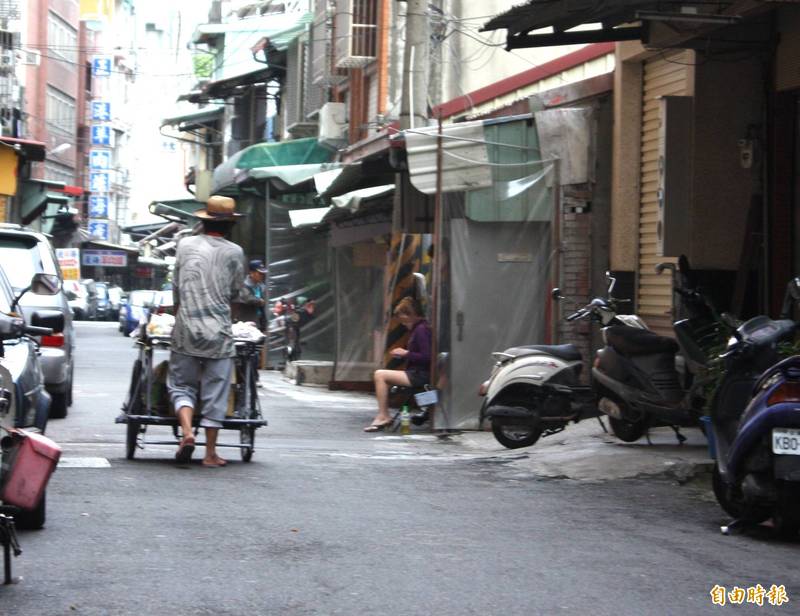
x,y
786,441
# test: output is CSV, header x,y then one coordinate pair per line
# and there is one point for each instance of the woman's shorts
x,y
418,378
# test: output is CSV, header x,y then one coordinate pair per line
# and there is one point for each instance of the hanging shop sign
x,y
105,258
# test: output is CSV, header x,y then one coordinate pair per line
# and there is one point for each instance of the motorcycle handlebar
x,y
575,315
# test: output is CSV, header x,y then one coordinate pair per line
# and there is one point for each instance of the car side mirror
x,y
45,284
54,319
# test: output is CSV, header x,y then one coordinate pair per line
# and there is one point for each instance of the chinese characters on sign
x,y
99,181
101,111
99,160
101,135
101,66
98,206
758,595
69,262
105,258
98,229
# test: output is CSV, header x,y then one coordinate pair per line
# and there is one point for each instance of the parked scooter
x,y
640,379
293,316
535,390
23,478
757,440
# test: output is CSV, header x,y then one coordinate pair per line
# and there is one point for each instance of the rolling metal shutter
x,y
666,75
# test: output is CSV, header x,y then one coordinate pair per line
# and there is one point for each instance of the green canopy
x,y
294,152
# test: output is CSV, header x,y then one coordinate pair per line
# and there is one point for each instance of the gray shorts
x,y
210,378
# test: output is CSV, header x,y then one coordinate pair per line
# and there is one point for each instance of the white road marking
x,y
84,463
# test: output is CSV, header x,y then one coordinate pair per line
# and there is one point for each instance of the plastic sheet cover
x,y
494,288
299,263
359,281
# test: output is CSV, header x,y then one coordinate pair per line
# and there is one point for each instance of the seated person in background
x,y
417,356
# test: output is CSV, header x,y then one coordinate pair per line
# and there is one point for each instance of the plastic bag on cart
x,y
160,325
247,330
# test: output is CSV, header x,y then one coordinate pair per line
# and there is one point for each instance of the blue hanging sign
x,y
100,181
101,111
99,229
99,160
101,66
101,134
98,206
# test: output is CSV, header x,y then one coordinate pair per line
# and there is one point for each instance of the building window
x,y
60,111
62,39
58,173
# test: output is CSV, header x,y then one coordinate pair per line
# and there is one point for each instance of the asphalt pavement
x,y
326,519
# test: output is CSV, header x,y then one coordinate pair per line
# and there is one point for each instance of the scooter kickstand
x,y
602,424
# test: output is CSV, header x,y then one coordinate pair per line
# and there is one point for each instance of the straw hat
x,y
219,208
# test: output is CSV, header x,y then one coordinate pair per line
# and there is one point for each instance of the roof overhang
x,y
31,150
230,86
292,162
36,195
195,119
570,22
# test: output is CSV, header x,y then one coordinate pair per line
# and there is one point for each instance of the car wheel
x,y
34,519
59,404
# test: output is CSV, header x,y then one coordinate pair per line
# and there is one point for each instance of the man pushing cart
x,y
204,355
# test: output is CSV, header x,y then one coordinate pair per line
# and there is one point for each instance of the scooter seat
x,y
632,341
567,352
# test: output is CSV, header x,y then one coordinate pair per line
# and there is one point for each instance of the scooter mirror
x,y
794,288
611,283
556,294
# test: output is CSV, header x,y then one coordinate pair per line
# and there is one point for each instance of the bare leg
x,y
186,446
384,379
185,419
211,448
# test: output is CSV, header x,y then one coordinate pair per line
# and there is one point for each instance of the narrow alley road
x,y
329,520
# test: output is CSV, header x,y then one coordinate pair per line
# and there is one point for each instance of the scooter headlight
x,y
786,392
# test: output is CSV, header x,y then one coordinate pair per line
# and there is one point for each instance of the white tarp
x,y
464,157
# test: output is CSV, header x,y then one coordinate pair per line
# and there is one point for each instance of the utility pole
x,y
414,102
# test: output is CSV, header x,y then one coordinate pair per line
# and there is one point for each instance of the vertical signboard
x,y
69,262
99,229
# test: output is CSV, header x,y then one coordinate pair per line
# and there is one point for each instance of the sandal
x,y
185,450
377,427
216,462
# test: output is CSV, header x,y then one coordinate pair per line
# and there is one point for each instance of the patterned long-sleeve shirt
x,y
208,275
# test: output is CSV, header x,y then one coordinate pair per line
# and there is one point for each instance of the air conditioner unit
x,y
333,124
355,31
29,57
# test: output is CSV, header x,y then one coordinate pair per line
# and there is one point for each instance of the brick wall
x,y
576,273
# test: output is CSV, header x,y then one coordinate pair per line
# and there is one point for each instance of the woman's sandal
x,y
185,450
377,427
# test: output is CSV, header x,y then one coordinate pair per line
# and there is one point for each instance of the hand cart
x,y
147,402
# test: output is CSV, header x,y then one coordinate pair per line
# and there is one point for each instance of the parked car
x,y
23,253
103,306
24,401
77,298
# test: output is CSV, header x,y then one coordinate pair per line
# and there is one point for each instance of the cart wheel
x,y
247,436
133,402
133,437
